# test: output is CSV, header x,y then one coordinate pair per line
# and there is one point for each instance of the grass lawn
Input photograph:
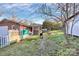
x,y
55,45
24,48
60,44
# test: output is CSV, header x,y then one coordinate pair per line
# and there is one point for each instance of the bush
x,y
52,25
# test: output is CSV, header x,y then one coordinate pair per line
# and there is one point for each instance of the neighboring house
x,y
12,31
35,28
24,31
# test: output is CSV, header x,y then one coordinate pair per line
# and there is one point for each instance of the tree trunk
x,y
65,29
73,20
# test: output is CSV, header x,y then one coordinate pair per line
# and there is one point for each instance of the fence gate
x,y
4,40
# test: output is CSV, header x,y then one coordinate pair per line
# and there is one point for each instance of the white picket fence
x,y
4,41
4,38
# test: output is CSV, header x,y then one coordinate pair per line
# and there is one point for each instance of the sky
x,y
22,11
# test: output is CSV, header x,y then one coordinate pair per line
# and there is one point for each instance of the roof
x,y
34,24
22,23
8,21
13,22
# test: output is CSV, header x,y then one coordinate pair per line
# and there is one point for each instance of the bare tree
x,y
67,11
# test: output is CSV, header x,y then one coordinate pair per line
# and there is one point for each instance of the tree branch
x,y
72,16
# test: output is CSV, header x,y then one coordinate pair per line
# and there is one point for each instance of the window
x,y
14,27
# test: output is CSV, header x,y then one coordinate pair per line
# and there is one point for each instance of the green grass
x,y
20,49
34,37
55,46
57,36
62,47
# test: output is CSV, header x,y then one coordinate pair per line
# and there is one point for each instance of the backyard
x,y
55,45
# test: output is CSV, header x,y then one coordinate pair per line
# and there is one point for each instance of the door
x,y
24,33
4,40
